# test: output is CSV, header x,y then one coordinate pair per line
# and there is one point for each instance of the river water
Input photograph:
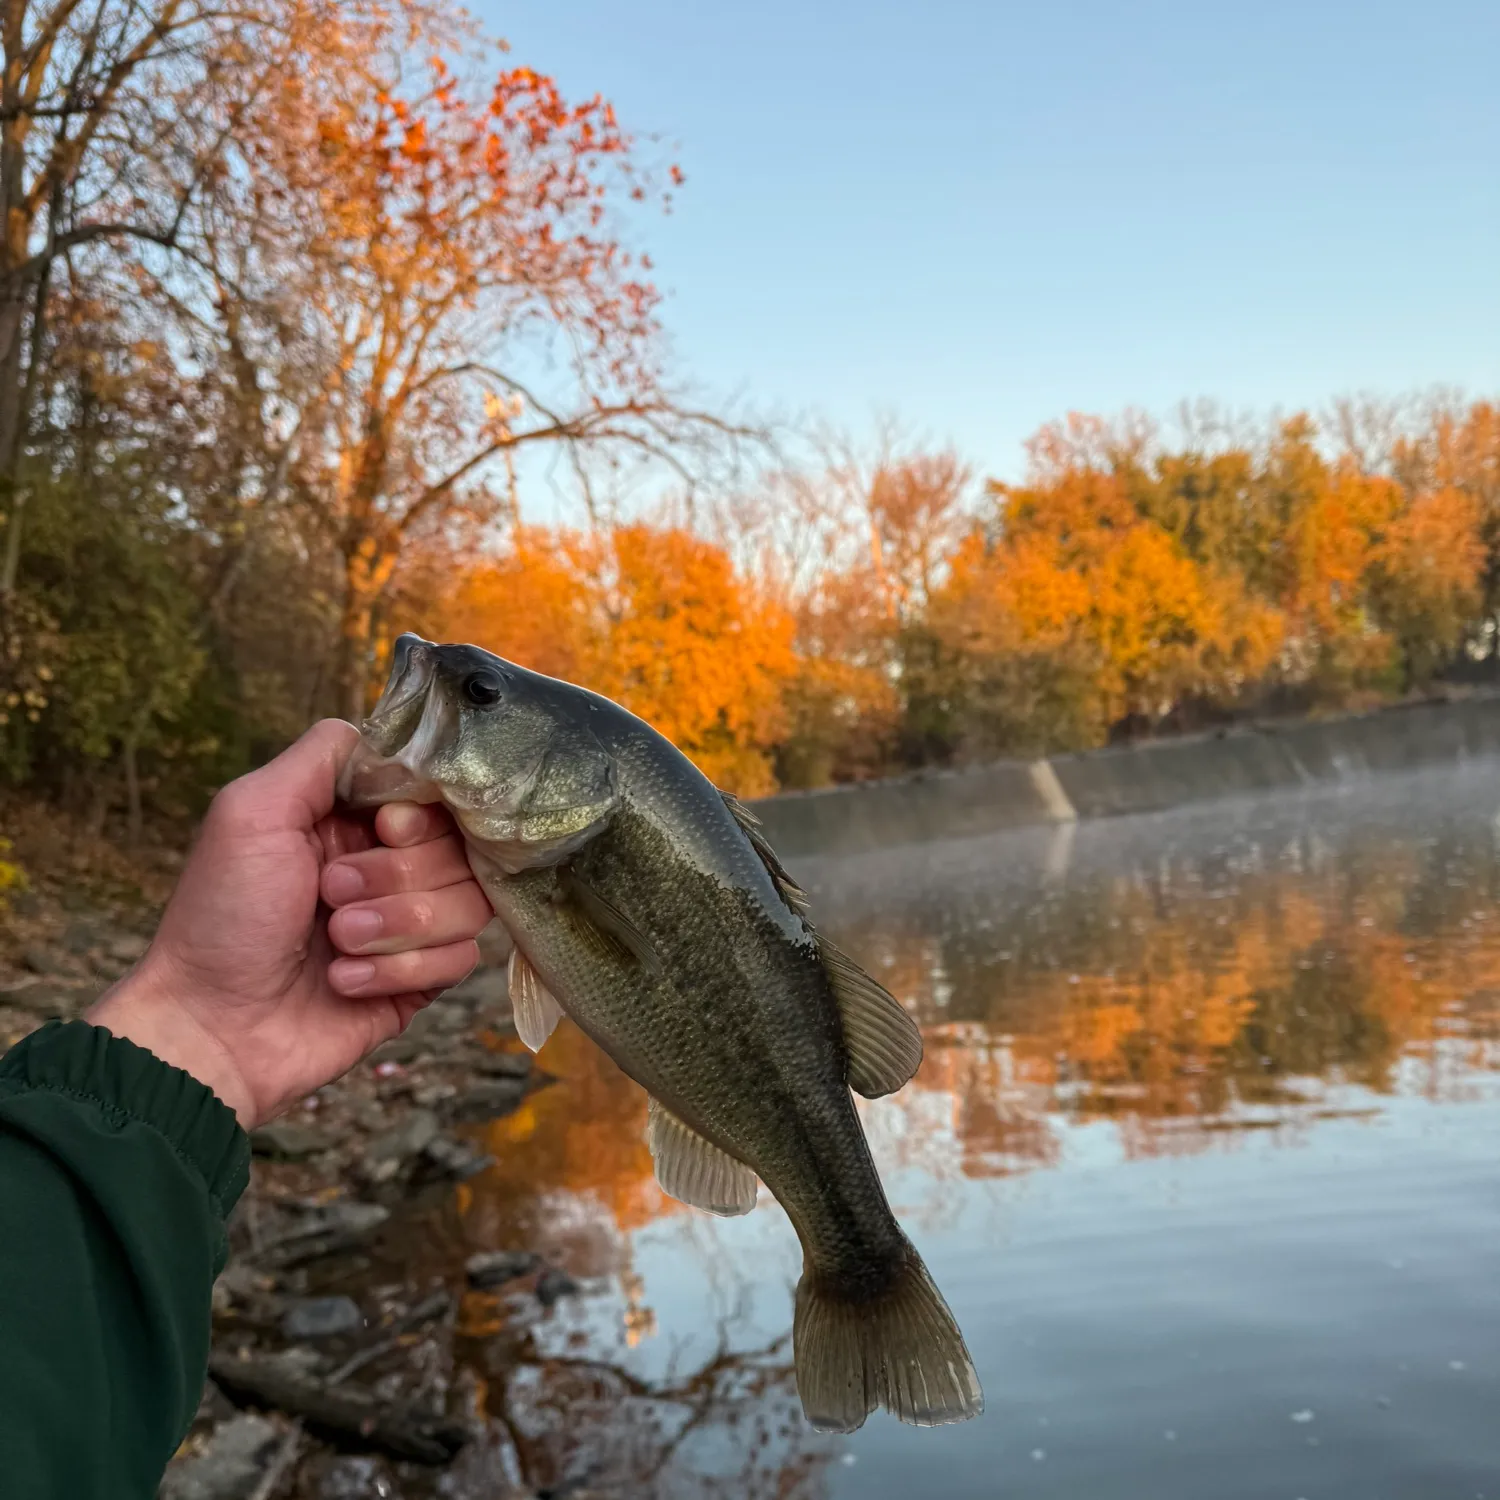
x,y
1204,1154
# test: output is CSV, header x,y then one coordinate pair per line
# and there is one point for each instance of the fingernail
x,y
351,973
342,883
358,927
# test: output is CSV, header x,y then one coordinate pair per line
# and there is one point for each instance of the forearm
x,y
116,1175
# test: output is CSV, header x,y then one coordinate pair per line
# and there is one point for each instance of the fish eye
x,y
483,689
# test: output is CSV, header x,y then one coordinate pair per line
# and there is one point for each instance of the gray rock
x,y
231,1465
402,1141
299,1362
456,1159
432,1093
503,1064
42,960
488,1099
128,948
287,1140
349,1215
329,1229
80,935
552,1285
400,1049
490,1268
420,1034
239,1282
485,987
322,1318
47,999
357,1477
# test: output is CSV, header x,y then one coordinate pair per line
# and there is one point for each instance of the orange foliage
x,y
1077,570
1427,573
653,618
877,624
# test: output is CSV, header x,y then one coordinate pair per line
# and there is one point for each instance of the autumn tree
x,y
115,117
1084,611
1458,451
460,295
853,546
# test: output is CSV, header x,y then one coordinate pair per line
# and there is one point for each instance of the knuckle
x,y
229,803
422,917
237,808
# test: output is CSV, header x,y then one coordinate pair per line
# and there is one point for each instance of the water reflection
x,y
1233,980
1186,978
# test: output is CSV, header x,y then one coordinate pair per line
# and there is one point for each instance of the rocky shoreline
x,y
334,1370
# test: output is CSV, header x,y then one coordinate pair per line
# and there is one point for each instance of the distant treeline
x,y
288,291
856,621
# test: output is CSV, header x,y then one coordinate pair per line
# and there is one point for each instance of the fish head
x,y
508,751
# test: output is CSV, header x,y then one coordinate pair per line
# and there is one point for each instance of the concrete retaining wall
x,y
1138,778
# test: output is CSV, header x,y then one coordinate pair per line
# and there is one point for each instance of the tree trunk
x,y
18,380
134,827
102,798
355,622
15,515
367,571
12,399
15,241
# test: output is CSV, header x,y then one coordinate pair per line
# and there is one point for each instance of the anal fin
x,y
694,1170
536,1010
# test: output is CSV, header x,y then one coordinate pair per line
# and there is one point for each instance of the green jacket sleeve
x,y
116,1175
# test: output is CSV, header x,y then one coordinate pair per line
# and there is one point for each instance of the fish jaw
x,y
370,779
407,724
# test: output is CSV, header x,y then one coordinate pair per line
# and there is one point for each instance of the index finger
x,y
402,824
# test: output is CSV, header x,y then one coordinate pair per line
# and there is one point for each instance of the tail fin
x,y
901,1350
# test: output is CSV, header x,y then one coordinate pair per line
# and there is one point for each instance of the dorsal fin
x,y
882,1041
790,892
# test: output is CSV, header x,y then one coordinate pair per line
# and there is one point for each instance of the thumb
x,y
305,775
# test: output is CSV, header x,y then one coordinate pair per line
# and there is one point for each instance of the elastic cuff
x,y
122,1079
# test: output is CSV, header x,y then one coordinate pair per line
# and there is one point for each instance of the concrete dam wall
x,y
1137,778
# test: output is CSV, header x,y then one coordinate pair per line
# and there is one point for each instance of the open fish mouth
x,y
406,729
413,666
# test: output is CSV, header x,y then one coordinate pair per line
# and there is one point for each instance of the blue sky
x,y
979,216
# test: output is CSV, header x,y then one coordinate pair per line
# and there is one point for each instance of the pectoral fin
x,y
536,1011
603,925
694,1170
882,1040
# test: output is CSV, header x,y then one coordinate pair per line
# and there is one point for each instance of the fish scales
x,y
772,1019
643,904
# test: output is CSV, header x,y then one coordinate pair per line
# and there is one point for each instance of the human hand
x,y
299,939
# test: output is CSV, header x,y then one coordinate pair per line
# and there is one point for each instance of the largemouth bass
x,y
646,905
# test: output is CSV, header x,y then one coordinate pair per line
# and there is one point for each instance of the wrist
x,y
143,1008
